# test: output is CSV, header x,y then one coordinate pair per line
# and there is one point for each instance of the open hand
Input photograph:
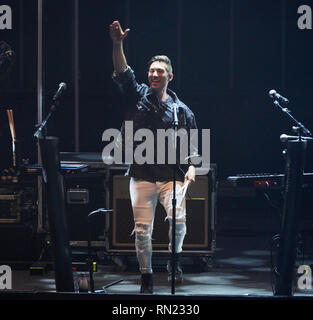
x,y
116,31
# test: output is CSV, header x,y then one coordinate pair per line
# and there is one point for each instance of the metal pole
x,y
179,42
231,44
76,72
283,44
40,224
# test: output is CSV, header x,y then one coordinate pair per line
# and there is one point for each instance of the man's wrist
x,y
115,73
117,42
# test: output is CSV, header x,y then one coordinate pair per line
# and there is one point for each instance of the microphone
x,y
62,87
273,94
175,111
285,137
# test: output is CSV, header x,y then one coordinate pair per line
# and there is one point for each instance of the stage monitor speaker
x,y
200,210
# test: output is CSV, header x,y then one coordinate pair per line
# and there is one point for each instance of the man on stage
x,y
152,107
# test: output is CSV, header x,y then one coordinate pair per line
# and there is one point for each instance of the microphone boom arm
x,y
301,129
62,87
44,122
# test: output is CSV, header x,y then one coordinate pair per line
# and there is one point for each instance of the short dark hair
x,y
162,58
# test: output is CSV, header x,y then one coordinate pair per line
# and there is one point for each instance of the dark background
x,y
226,54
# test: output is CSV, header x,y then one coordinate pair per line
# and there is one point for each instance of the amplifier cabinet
x,y
10,208
200,210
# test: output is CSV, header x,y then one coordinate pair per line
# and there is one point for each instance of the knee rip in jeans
x,y
142,229
143,236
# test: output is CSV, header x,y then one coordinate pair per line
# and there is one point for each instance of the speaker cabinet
x,y
200,212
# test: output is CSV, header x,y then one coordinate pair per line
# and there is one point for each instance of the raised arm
x,y
118,35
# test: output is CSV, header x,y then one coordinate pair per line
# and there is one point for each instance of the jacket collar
x,y
151,96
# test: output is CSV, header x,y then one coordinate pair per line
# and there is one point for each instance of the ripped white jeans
x,y
144,197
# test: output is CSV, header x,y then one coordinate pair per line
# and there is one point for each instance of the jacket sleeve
x,y
126,81
193,154
193,139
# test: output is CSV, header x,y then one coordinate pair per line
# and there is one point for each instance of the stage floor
x,y
241,268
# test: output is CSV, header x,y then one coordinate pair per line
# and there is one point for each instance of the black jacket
x,y
145,111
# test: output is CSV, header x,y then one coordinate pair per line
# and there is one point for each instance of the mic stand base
x,y
89,262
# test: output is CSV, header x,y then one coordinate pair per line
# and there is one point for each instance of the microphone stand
x,y
174,200
57,95
296,146
300,129
44,122
49,151
90,263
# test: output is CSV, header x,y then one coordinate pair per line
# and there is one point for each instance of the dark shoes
x,y
147,278
178,272
146,283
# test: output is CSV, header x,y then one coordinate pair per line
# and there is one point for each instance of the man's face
x,y
158,76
